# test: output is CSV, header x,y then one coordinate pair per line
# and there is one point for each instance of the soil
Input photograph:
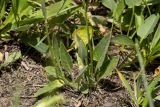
x,y
25,76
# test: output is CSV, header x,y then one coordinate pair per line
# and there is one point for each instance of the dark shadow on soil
x,y
110,86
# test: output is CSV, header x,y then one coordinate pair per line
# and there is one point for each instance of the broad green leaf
x,y
11,58
53,9
50,101
119,9
101,54
123,40
127,86
55,50
111,4
101,48
109,68
156,38
35,42
49,87
82,33
132,3
82,50
65,58
147,26
42,48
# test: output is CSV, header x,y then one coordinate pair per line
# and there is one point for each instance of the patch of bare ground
x,y
21,78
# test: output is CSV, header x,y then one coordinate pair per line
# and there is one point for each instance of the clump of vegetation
x,y
58,29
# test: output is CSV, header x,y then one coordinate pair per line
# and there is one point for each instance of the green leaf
x,y
101,48
157,98
156,38
81,73
127,86
82,50
11,58
54,9
123,40
50,101
35,42
119,9
51,71
147,26
109,68
66,60
111,4
139,18
49,87
132,3
2,8
104,43
82,33
21,8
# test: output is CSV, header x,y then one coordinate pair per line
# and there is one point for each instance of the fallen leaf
x,y
157,72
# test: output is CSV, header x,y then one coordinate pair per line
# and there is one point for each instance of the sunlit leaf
x,y
148,26
123,40
50,101
119,9
111,4
132,3
50,87
11,58
82,33
127,86
51,70
101,48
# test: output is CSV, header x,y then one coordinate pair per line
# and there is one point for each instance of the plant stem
x,y
145,2
89,41
133,9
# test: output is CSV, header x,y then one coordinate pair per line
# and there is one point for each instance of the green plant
x,y
93,63
143,93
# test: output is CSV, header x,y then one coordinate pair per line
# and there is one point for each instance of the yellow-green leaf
x,y
83,34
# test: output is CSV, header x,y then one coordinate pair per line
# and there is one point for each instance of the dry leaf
x,y
157,71
1,57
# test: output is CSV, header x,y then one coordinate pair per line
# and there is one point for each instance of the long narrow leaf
x,y
109,68
50,87
99,54
65,58
156,38
147,26
127,86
